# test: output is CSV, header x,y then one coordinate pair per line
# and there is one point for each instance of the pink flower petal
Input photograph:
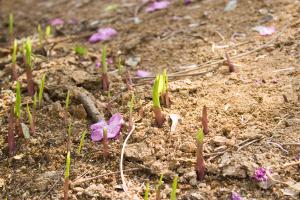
x,y
142,73
103,34
97,130
114,125
157,5
265,30
57,22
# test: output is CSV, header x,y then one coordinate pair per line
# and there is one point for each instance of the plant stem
x,y
205,120
30,84
159,116
66,188
105,82
200,166
229,63
11,136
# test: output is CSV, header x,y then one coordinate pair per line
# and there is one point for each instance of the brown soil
x,y
253,113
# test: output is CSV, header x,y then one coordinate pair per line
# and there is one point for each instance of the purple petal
x,y
260,174
98,64
236,196
103,34
57,22
187,2
114,125
97,130
157,5
265,30
142,73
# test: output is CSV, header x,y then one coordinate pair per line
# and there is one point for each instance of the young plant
x,y
14,60
81,142
40,34
120,66
174,188
229,63
165,95
28,63
80,50
146,195
200,166
17,109
67,175
10,136
205,120
69,137
105,143
157,88
158,187
11,26
30,119
105,81
41,89
131,105
48,32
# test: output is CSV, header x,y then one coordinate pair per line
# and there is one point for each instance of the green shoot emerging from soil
x,y
14,60
18,100
157,89
30,119
174,188
158,187
120,66
67,175
28,61
41,89
105,81
80,50
34,101
200,166
146,195
105,143
11,25
48,32
165,95
81,142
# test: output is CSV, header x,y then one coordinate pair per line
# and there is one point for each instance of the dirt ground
x,y
254,112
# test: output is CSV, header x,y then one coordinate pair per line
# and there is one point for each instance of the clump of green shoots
x,y
105,143
11,26
157,89
200,166
158,187
14,60
165,94
81,143
205,120
28,63
105,81
146,195
131,106
67,175
174,188
80,50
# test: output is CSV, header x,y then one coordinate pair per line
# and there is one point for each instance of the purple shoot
x,y
105,143
205,120
11,136
229,63
200,166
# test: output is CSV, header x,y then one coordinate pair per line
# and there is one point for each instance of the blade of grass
x,y
174,188
18,100
41,89
146,195
81,142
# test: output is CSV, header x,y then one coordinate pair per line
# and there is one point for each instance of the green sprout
x,y
68,100
80,50
48,32
18,100
157,89
41,89
200,165
68,163
81,142
34,101
158,186
165,79
200,136
120,66
40,33
28,52
174,188
30,119
14,53
11,24
146,196
103,60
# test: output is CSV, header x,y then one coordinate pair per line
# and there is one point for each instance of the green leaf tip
x,y
81,142
68,163
103,60
18,100
200,136
28,51
146,195
80,50
174,188
11,24
41,89
14,53
156,91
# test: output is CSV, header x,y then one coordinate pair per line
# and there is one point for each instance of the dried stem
x,y
15,71
229,63
30,84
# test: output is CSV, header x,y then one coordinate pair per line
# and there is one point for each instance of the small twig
x,y
291,164
296,144
247,144
279,146
125,188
